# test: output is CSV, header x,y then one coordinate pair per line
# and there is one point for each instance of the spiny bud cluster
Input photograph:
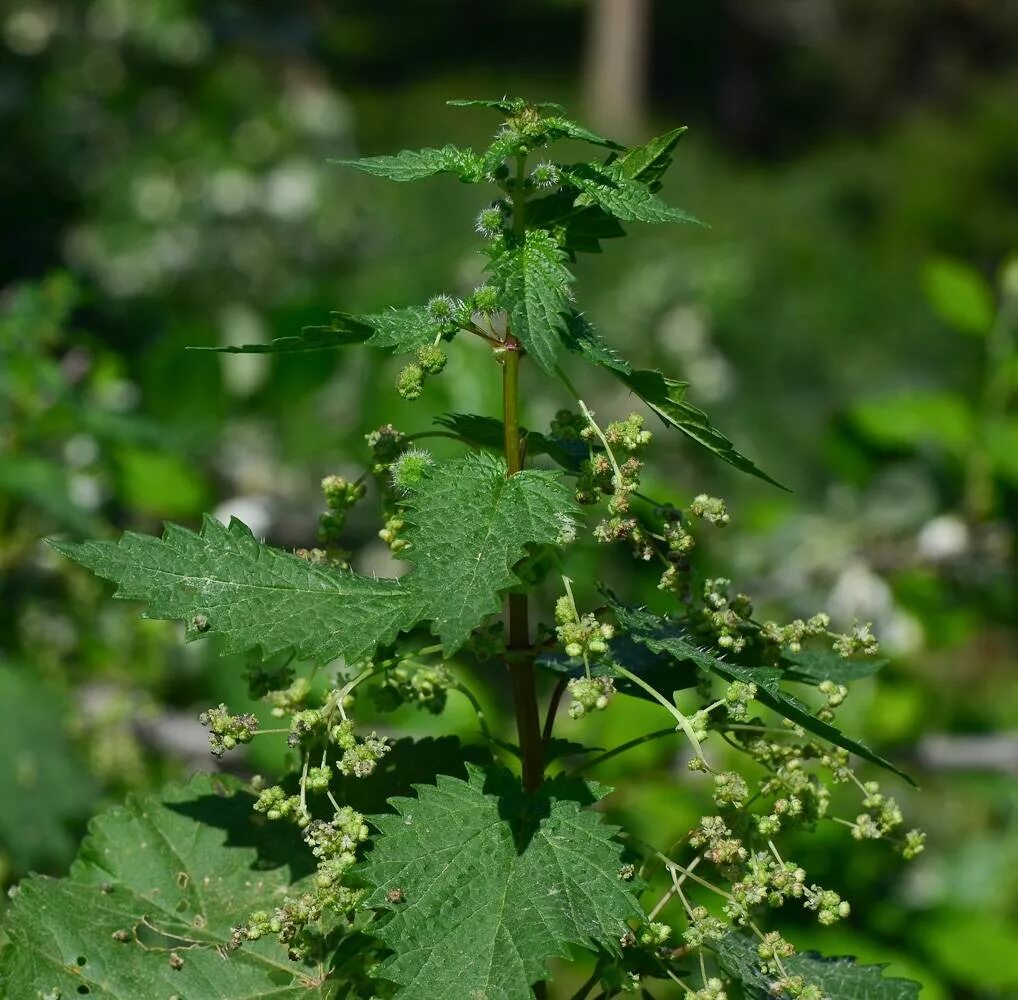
x,y
431,359
410,468
387,445
491,220
225,730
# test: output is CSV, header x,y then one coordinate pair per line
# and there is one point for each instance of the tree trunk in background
x,y
615,66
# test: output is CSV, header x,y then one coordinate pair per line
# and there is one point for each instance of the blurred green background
x,y
849,319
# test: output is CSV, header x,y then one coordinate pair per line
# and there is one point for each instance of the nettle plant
x,y
428,869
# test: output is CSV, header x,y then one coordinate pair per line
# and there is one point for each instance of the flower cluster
x,y
387,445
425,687
226,731
340,496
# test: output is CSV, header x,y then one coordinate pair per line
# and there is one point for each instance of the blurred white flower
x,y
943,537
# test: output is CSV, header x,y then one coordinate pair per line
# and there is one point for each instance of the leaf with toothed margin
x,y
609,187
665,397
661,635
811,666
171,874
397,330
647,163
840,978
492,884
468,525
534,280
416,164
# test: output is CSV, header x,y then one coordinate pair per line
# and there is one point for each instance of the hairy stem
x,y
517,625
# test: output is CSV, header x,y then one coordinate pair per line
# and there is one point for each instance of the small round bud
x,y
546,175
431,358
485,299
410,382
409,469
490,221
442,308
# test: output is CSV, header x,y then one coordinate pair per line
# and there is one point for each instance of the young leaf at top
x,y
647,163
839,978
492,884
468,526
507,105
661,635
535,282
416,164
150,905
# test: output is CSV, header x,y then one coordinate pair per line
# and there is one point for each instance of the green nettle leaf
x,y
416,164
811,666
507,105
839,978
468,525
493,883
959,295
581,227
581,338
535,283
647,163
562,128
606,185
397,330
661,635
665,397
150,905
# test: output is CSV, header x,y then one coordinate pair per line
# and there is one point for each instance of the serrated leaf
x,y
647,163
665,397
397,330
533,278
606,185
562,128
959,295
493,883
811,666
467,526
45,792
840,978
581,227
583,339
416,164
176,874
661,635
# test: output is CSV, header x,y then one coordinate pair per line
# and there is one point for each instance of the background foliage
x,y
846,318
